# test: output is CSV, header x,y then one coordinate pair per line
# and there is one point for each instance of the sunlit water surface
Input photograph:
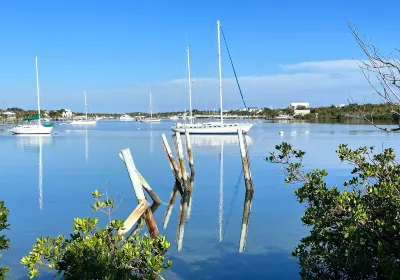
x,y
47,181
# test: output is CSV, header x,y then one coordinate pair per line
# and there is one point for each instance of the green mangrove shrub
x,y
4,242
355,228
93,252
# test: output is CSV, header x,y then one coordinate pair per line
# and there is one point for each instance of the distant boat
x,y
210,127
126,118
86,121
151,119
174,118
38,127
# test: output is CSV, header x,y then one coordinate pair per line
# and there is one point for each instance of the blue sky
x,y
283,51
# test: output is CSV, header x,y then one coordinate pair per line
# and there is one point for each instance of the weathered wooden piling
x,y
148,189
174,166
134,217
249,190
181,160
138,188
245,161
183,183
192,171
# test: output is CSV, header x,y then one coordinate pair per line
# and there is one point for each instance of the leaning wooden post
x,y
137,186
192,171
148,189
181,159
245,163
174,167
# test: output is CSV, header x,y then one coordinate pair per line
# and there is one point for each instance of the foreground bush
x,y
99,253
355,230
3,240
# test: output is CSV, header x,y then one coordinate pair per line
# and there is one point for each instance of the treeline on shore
x,y
383,112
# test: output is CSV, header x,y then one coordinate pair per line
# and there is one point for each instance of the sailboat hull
x,y
31,129
212,128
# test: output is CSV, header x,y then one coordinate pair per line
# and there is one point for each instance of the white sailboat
x,y
38,127
211,127
151,119
85,121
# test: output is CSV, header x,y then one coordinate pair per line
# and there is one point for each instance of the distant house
x,y
9,115
294,105
300,108
67,114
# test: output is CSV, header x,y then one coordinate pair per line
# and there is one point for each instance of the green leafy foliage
x,y
355,229
3,240
99,253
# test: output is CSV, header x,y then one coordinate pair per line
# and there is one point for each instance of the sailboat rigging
x,y
86,121
151,119
212,127
38,127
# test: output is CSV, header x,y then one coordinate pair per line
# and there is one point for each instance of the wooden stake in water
x,y
134,217
192,171
174,166
137,186
249,190
245,161
181,159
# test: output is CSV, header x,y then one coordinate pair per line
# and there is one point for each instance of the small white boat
x,y
37,127
174,118
151,119
126,118
86,121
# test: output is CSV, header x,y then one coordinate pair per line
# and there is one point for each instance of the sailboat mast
x,y
219,68
151,111
189,84
84,93
37,89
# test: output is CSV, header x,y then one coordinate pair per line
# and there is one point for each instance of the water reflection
x,y
36,142
217,140
186,198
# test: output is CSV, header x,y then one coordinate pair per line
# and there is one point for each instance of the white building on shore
x,y
300,108
67,114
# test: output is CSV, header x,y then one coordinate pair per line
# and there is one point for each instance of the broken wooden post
x,y
245,220
192,171
181,160
174,167
134,217
249,190
146,186
137,186
245,161
148,189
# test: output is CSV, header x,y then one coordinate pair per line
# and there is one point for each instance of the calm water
x,y
47,181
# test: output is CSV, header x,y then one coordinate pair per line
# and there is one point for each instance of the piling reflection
x,y
179,171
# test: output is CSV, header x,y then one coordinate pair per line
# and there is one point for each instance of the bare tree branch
x,y
382,74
